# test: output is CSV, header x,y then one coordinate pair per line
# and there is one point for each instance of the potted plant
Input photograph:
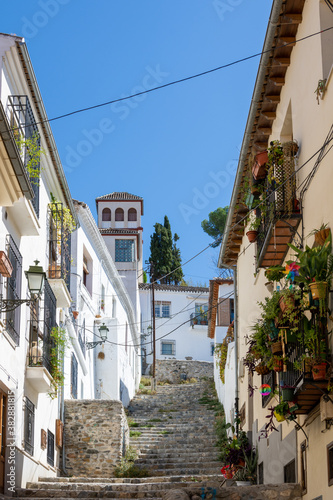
x,y
275,273
259,165
287,391
255,223
320,235
247,474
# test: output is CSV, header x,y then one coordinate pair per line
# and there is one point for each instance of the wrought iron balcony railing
x,y
40,345
27,137
59,244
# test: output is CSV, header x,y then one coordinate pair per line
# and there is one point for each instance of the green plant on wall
x,y
64,215
32,147
59,342
221,351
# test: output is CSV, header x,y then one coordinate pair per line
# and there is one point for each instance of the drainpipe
x,y
62,418
236,349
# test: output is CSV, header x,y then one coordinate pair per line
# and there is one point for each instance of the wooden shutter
x,y
223,312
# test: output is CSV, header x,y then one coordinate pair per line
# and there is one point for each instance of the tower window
x,y
124,251
106,215
132,215
119,215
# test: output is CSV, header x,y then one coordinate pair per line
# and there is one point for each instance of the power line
x,y
181,80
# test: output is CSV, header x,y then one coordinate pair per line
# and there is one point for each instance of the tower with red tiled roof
x,y
119,221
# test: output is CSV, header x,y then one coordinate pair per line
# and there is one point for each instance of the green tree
x,y
164,254
215,224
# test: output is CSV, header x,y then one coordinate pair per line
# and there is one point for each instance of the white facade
x,y
25,237
177,337
111,370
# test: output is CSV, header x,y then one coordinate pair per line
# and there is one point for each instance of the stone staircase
x,y
176,448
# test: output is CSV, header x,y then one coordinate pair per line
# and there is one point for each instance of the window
x,y
261,473
303,467
14,289
290,472
232,310
119,214
124,251
330,463
225,311
201,313
162,309
60,226
268,379
212,348
29,426
132,215
50,448
74,376
50,310
87,271
106,215
82,337
168,347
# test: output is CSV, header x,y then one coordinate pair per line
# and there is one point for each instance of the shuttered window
x,y
74,369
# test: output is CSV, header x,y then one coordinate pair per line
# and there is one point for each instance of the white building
x,y
29,229
110,370
181,323
220,322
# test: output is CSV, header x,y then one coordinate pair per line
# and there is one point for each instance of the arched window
x,y
132,214
119,214
106,214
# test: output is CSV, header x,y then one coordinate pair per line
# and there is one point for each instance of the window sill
x,y
7,336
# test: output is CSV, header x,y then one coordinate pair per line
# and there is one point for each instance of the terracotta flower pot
x,y
259,166
75,314
252,236
319,371
283,303
6,267
262,369
278,365
321,236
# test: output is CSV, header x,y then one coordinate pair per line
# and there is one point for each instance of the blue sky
x,y
176,147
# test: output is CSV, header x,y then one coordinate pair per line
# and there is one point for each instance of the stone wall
x,y
174,370
96,435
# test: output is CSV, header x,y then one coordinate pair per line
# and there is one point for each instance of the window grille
x,y
25,127
124,251
74,369
29,426
50,447
50,305
14,289
201,311
168,348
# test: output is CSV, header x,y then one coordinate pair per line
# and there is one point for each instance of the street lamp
x,y
35,276
103,332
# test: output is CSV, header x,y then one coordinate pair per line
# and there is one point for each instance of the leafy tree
x,y
215,224
164,254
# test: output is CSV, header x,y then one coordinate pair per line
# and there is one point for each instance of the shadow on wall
x,y
124,394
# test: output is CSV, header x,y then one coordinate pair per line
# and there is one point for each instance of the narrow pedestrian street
x,y
173,433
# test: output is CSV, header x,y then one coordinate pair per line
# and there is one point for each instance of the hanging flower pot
x,y
286,302
252,236
75,314
279,418
318,290
6,267
262,369
276,348
287,394
321,236
278,365
259,166
319,371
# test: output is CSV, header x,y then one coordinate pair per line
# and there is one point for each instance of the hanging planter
x,y
75,314
286,302
278,365
6,267
276,348
319,371
321,236
262,369
259,166
318,290
287,393
279,418
252,236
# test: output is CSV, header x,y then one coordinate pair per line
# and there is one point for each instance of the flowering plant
x,y
227,471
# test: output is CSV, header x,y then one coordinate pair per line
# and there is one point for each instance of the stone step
x,y
123,480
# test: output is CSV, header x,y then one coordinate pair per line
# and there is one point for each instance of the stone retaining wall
x,y
173,370
96,435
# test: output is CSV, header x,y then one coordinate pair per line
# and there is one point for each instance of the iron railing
x,y
25,129
59,243
14,289
198,319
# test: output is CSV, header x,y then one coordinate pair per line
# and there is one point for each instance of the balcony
x,y
280,213
39,367
60,228
25,131
198,320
